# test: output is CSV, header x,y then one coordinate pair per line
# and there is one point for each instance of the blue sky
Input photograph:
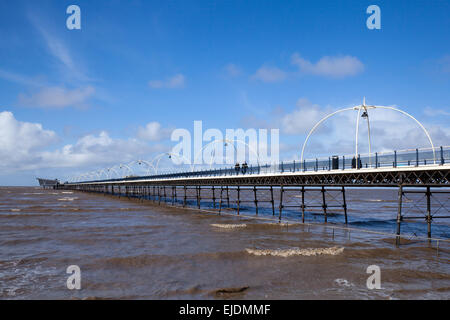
x,y
86,97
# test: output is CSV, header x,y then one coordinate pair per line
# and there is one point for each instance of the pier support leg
x,y
429,218
214,197
198,196
303,204
159,195
173,195
184,199
256,200
399,213
272,200
324,205
344,205
220,202
281,203
238,201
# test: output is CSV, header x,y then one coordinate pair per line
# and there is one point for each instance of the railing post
x,y
417,157
442,156
395,158
376,160
329,163
304,165
317,165
343,162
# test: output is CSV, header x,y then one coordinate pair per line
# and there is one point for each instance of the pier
x,y
275,186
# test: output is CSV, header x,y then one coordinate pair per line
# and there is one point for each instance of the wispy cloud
x,y
57,97
432,112
177,81
269,74
20,79
59,50
334,67
232,70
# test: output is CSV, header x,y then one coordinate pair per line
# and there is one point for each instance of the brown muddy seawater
x,y
128,249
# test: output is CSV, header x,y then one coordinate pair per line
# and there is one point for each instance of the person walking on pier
x,y
237,168
244,167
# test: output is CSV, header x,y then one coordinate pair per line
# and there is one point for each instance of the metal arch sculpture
x,y
365,108
227,141
122,165
139,162
114,171
158,157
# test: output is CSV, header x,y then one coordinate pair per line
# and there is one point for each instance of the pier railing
x,y
394,159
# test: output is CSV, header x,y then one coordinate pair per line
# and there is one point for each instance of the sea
x,y
132,248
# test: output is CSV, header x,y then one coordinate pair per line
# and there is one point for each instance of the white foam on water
x,y
296,252
67,199
343,283
283,224
229,226
69,192
15,210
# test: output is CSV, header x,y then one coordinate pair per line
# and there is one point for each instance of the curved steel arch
x,y
359,108
122,165
170,154
149,165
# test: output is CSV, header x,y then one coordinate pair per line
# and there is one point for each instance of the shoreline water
x,y
137,250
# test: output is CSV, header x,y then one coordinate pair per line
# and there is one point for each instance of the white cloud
x,y
25,146
303,118
19,141
269,74
57,97
96,150
153,132
335,67
390,130
177,81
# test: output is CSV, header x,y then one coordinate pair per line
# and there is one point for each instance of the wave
x,y
67,199
229,226
296,252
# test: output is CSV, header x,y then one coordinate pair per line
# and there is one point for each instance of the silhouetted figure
x,y
244,167
237,168
354,163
